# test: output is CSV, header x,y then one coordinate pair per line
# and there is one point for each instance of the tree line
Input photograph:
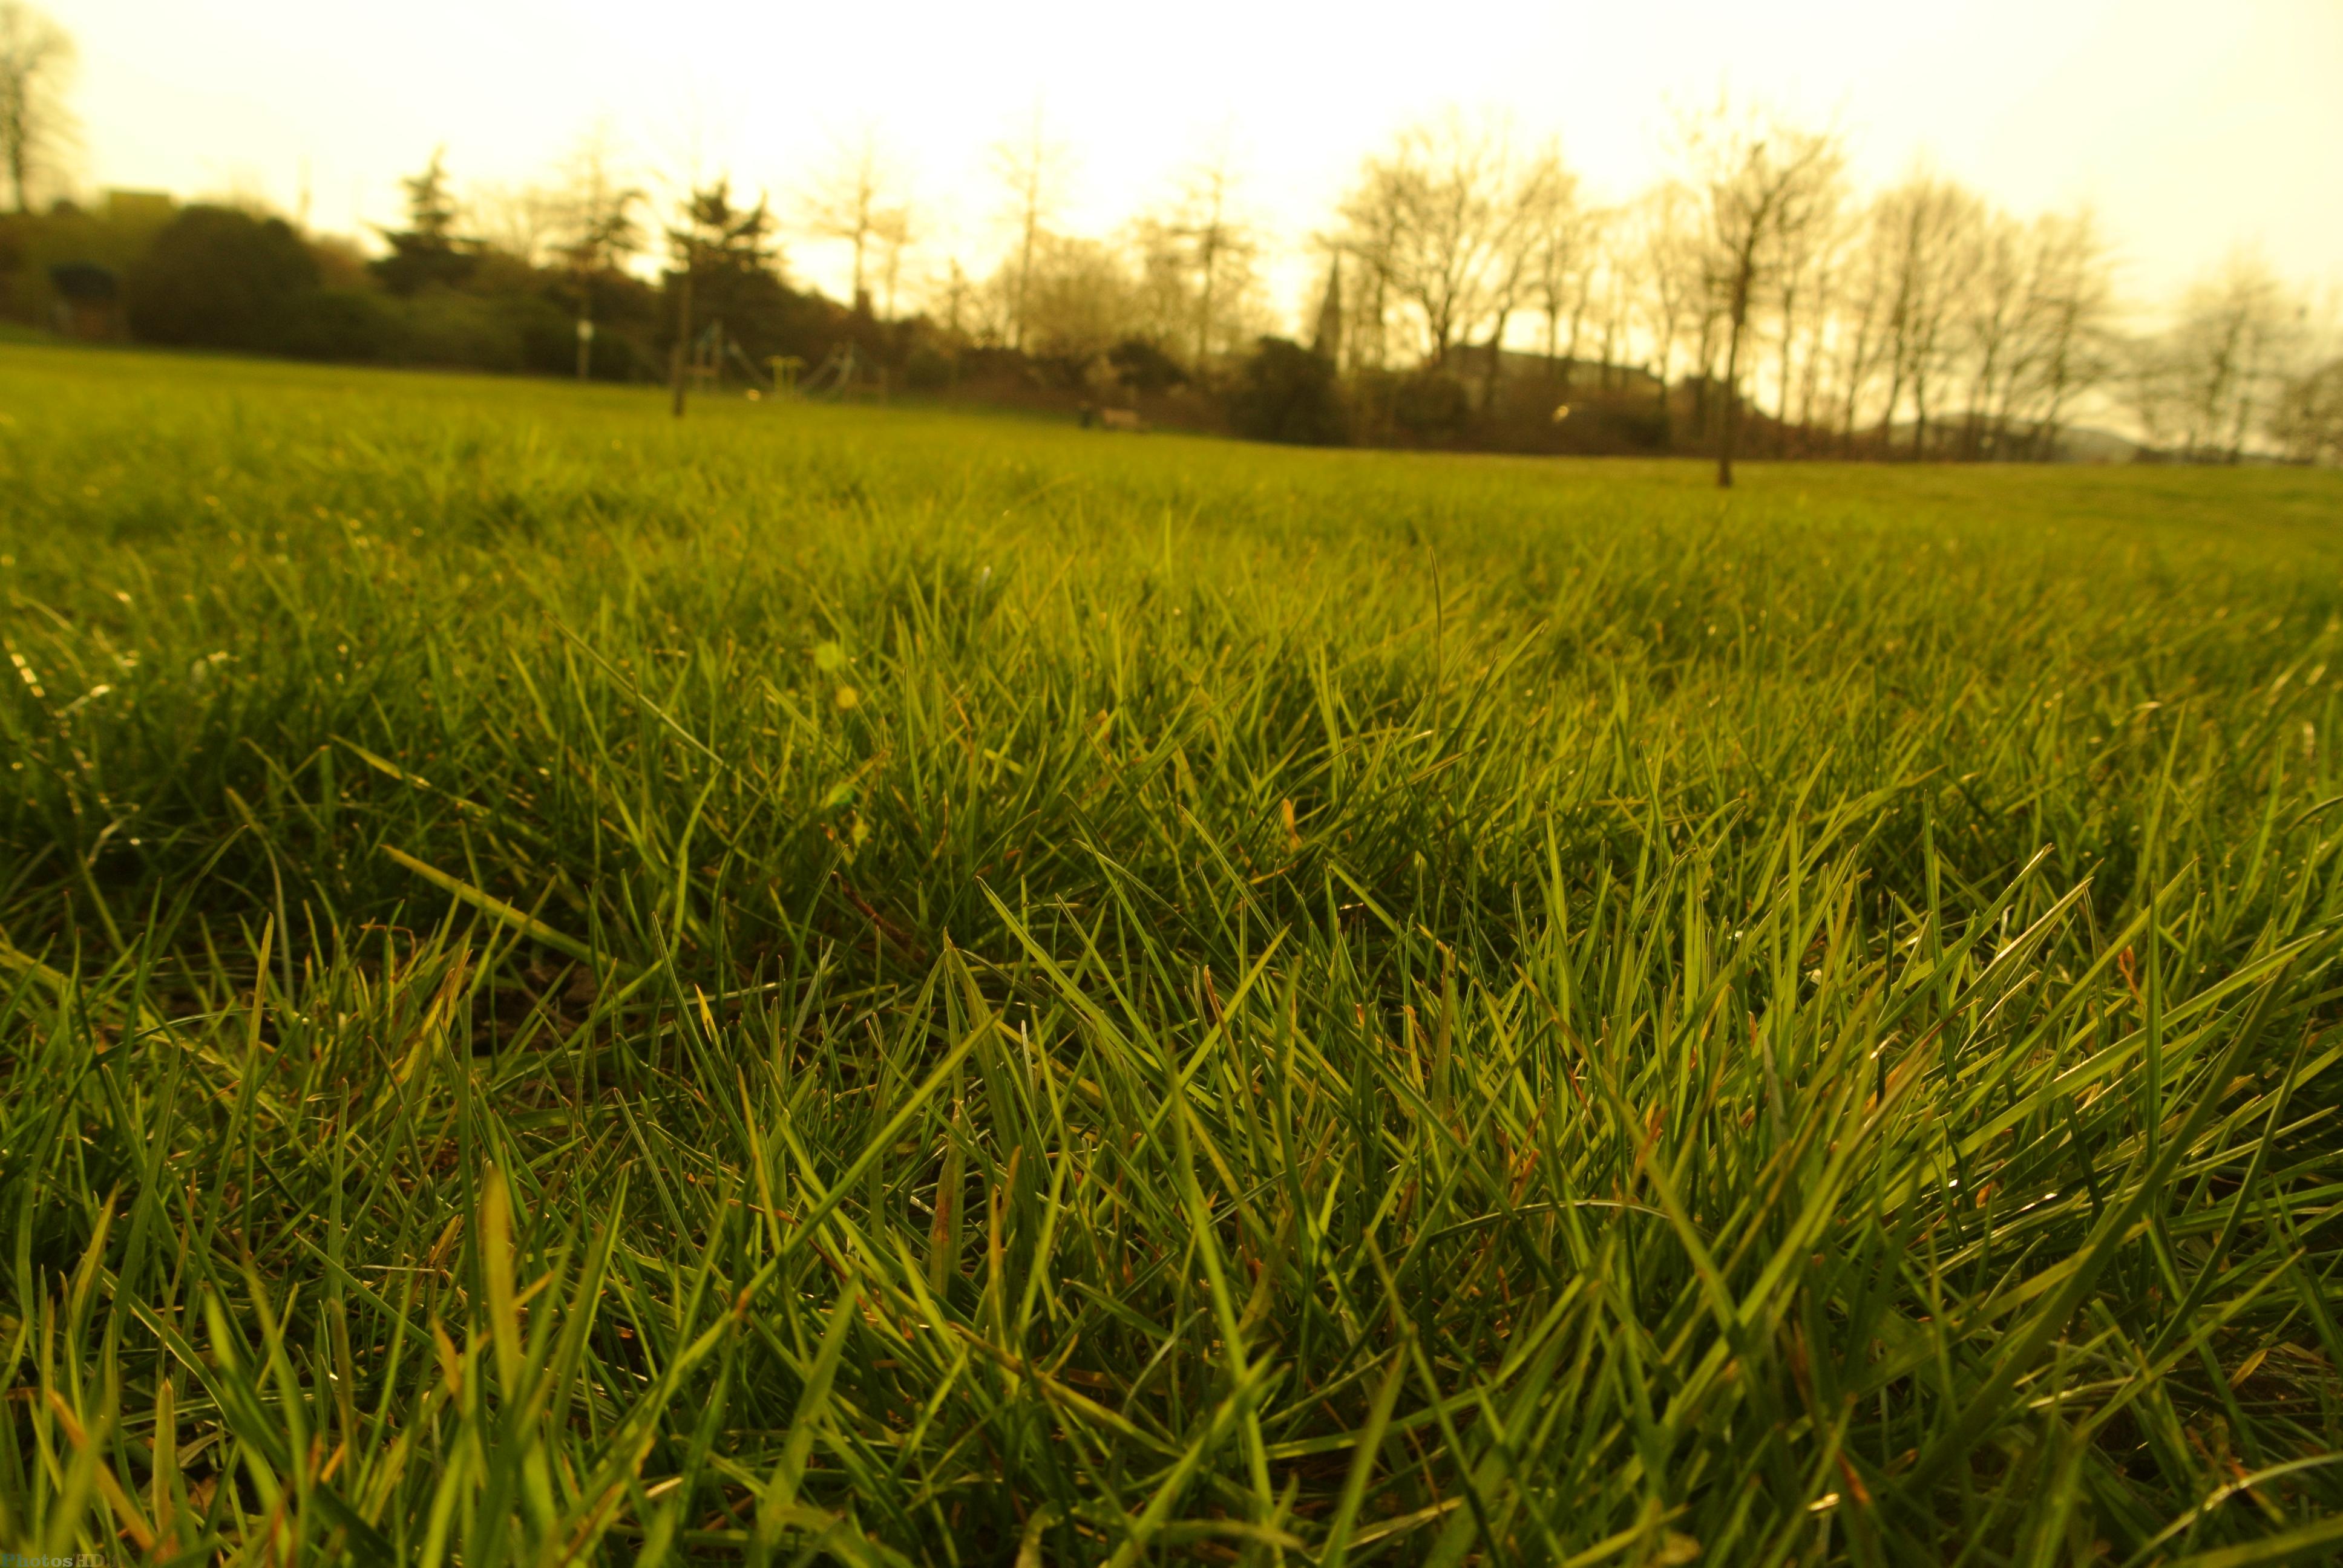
x,y
1766,304
1471,293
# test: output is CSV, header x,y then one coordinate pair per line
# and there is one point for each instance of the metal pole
x,y
677,361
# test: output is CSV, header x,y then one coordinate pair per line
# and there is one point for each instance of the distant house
x,y
1470,363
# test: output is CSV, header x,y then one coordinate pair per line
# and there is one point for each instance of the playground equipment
x,y
712,348
847,373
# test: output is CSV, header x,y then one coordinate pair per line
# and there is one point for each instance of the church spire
x,y
1328,343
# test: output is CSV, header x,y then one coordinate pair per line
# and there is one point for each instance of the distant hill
x,y
2083,444
2076,443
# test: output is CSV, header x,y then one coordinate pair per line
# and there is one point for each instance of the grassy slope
x,y
916,985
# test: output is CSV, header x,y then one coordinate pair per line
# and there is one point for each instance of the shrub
x,y
350,324
217,278
1431,407
926,370
1286,393
475,332
1143,366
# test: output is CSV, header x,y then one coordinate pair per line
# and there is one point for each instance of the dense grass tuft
x,y
919,988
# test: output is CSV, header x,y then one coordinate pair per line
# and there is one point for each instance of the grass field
x,y
904,987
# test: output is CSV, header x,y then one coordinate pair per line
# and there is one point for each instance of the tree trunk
x,y
1729,424
1204,301
1496,362
1025,274
17,139
679,362
1782,400
1703,363
585,324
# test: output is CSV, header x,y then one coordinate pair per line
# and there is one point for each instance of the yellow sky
x,y
2193,128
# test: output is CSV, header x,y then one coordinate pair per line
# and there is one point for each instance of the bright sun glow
x,y
2191,129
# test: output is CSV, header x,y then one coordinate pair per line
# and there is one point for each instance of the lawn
x,y
900,986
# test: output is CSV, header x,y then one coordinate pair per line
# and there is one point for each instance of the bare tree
x,y
1220,244
1763,185
1195,261
2208,383
1032,169
1164,295
1828,280
1991,323
894,233
519,221
1563,243
1860,339
2031,314
1610,309
1439,220
594,226
856,202
36,58
966,312
1987,328
2307,423
1079,299
1371,238
1948,328
1923,227
1799,273
1666,254
1528,194
2068,320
